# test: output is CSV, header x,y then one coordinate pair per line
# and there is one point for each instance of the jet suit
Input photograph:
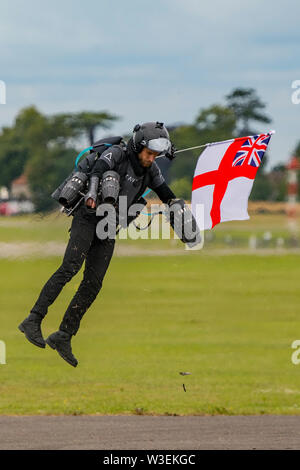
x,y
85,246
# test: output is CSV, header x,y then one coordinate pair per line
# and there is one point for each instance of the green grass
x,y
34,228
231,235
54,227
230,321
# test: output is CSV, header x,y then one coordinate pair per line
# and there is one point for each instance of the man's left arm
x,y
164,192
178,214
158,184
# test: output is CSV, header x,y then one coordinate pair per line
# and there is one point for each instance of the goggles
x,y
158,145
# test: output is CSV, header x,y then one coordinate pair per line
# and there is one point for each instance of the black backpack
x,y
86,165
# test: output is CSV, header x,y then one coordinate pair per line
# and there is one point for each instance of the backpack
x,y
86,165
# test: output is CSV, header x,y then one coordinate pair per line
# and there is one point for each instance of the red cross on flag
x,y
224,178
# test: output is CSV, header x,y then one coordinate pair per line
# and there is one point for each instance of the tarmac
x,y
149,432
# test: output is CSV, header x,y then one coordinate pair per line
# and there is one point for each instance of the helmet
x,y
152,135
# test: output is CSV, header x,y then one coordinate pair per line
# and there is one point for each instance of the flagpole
x,y
216,143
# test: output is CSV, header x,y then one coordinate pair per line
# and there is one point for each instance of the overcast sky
x,y
151,60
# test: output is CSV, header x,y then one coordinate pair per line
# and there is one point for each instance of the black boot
x,y
61,341
31,327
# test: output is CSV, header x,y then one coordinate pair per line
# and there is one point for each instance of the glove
x,y
183,222
171,153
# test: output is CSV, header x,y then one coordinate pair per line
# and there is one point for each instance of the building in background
x,y
18,200
20,188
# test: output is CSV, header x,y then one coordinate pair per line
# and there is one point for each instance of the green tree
x,y
247,107
183,165
42,147
296,152
216,123
182,188
262,187
32,127
17,143
86,123
13,157
212,124
262,190
45,172
278,179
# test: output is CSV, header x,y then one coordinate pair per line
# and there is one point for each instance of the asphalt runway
x,y
149,432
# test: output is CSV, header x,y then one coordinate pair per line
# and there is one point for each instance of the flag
x,y
224,177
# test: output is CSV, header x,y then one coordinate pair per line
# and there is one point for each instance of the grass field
x,y
230,321
39,230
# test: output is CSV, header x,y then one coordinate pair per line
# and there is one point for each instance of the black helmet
x,y
152,135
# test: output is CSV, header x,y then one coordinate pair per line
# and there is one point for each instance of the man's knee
x,y
68,270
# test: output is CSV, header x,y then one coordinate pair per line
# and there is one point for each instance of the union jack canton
x,y
252,151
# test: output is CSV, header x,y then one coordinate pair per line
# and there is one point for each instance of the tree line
x,y
45,147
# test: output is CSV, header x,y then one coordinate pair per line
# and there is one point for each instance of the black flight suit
x,y
84,245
